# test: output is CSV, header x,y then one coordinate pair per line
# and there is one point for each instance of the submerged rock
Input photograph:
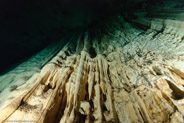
x,y
132,75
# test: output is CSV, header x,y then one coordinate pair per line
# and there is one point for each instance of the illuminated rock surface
x,y
132,76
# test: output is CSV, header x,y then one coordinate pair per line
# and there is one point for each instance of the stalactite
x,y
138,81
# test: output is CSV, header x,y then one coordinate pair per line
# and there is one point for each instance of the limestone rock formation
x,y
135,76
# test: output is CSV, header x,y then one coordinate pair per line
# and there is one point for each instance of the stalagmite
x,y
135,79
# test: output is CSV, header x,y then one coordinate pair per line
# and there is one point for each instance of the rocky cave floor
x,y
128,76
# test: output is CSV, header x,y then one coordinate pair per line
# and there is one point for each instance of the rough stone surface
x,y
136,76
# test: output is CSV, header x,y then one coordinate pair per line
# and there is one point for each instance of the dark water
x,y
27,26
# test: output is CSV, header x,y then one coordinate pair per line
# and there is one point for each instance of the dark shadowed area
x,y
28,26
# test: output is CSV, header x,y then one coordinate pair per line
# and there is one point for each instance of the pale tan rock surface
x,y
136,76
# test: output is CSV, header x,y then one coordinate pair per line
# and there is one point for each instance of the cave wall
x,y
132,70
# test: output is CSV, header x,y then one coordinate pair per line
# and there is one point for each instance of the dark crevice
x,y
158,32
176,92
92,52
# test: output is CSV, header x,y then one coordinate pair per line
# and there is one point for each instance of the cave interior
x,y
85,61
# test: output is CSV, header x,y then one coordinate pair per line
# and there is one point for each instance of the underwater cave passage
x,y
116,61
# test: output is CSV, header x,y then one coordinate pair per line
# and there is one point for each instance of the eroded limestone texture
x,y
134,76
